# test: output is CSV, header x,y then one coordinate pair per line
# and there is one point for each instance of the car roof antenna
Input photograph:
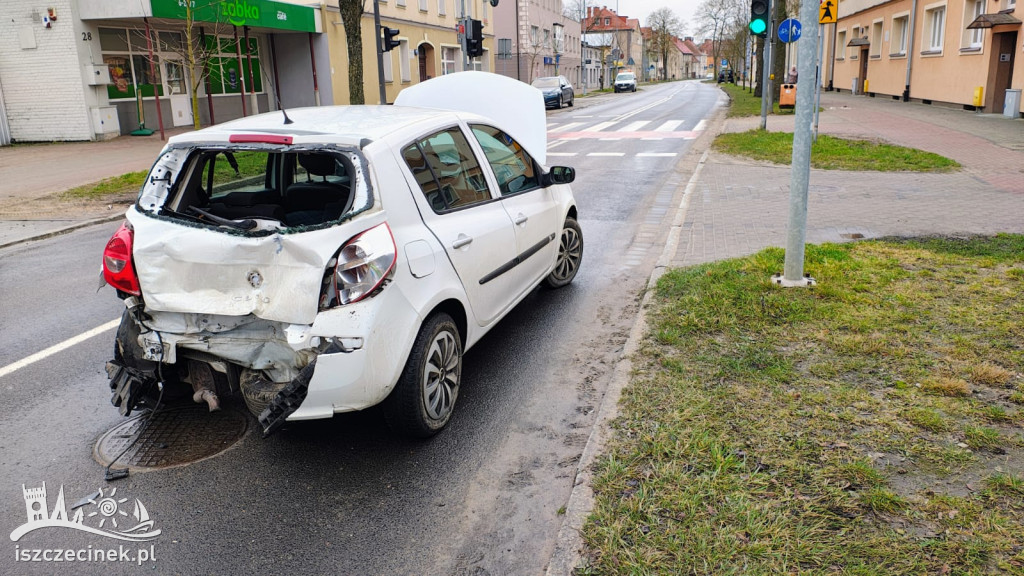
x,y
277,95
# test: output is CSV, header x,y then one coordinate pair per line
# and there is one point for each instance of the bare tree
x,y
665,27
713,18
351,19
194,49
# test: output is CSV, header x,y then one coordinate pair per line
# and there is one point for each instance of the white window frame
x,y
389,67
449,65
423,5
973,40
900,34
404,65
441,7
935,22
841,45
876,39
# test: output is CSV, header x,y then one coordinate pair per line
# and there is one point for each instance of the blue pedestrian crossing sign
x,y
789,30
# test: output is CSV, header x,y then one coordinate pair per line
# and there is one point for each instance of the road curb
x,y
569,542
64,230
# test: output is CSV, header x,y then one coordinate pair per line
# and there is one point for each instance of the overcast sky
x,y
685,9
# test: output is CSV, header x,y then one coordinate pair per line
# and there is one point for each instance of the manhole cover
x,y
176,436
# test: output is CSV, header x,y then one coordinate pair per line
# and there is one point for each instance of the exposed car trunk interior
x,y
236,187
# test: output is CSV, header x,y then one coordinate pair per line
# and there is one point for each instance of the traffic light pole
x,y
380,51
796,234
766,61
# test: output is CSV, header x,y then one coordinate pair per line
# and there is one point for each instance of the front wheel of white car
x,y
424,397
570,254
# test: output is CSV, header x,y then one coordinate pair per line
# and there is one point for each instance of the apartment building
x,y
428,44
618,37
541,40
952,52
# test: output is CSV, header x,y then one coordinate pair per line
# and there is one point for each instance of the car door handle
x,y
521,219
461,241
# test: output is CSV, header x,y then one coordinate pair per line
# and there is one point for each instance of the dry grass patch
x,y
831,430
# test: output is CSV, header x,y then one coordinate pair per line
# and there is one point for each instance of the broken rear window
x,y
257,189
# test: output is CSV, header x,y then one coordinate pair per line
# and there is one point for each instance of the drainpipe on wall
x,y
312,58
910,50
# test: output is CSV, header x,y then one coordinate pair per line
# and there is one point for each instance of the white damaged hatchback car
x,y
342,258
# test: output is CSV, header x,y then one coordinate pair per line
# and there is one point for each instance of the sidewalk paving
x,y
30,174
741,206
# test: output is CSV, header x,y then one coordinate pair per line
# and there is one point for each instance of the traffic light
x,y
475,39
389,39
759,18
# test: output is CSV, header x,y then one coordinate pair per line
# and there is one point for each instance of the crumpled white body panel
x,y
189,269
516,107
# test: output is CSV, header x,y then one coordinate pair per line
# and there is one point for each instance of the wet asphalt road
x,y
346,496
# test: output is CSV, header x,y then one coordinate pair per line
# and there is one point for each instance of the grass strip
x,y
830,153
123,185
811,431
744,103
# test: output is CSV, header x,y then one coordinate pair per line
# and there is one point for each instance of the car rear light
x,y
118,270
363,263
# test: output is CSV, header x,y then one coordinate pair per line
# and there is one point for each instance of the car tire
x,y
570,255
423,399
559,105
572,100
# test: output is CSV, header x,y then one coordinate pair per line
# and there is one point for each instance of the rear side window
x,y
512,166
290,188
446,170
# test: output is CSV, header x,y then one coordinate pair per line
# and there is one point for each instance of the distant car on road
x,y
725,76
557,91
625,82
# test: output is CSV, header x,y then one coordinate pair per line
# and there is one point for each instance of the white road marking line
x,y
668,126
700,126
635,126
656,154
653,139
565,127
609,139
580,116
599,127
556,143
27,361
606,154
562,154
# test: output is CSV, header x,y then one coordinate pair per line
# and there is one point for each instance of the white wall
x,y
44,91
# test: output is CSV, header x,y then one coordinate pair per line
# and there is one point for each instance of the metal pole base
x,y
804,282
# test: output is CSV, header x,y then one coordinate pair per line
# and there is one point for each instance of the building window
x,y
547,38
440,7
936,22
125,51
841,45
534,35
448,57
389,67
403,61
899,36
876,39
972,39
423,5
607,21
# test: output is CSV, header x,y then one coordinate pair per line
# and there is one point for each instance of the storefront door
x,y
177,86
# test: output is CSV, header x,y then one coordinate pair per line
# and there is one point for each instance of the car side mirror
x,y
561,175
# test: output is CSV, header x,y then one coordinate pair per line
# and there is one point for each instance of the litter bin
x,y
787,98
1011,105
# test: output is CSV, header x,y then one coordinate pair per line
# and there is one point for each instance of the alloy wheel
x,y
441,375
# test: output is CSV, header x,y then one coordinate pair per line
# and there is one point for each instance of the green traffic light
x,y
757,26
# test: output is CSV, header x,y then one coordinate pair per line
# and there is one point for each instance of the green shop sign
x,y
252,13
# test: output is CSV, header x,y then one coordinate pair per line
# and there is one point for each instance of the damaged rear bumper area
x,y
150,364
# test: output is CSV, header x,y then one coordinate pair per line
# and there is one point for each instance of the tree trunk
x,y
760,67
351,18
778,52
